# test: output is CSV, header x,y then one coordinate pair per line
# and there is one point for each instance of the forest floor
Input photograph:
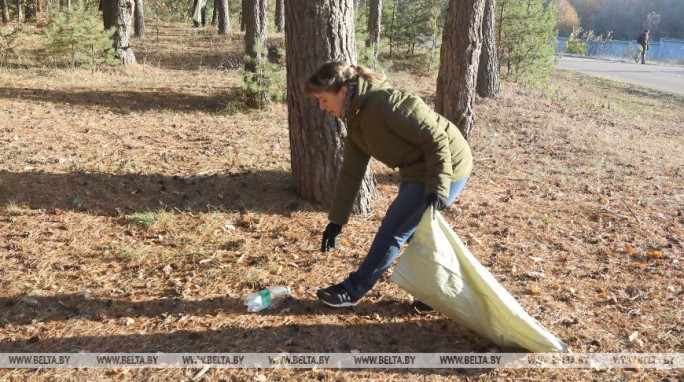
x,y
138,206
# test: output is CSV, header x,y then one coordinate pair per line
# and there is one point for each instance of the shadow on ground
x,y
122,101
114,195
436,335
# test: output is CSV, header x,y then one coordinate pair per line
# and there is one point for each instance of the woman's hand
x,y
439,202
330,236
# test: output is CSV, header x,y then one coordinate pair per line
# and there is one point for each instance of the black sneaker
x,y
336,296
422,307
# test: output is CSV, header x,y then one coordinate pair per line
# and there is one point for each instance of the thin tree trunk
x,y
214,13
280,15
245,9
20,11
460,57
317,32
434,24
223,16
139,19
255,51
499,31
5,10
391,34
374,17
488,84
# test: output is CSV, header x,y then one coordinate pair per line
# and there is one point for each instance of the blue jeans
x,y
400,222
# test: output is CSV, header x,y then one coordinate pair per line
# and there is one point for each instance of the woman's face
x,y
332,102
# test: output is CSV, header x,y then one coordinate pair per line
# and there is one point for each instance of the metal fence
x,y
668,50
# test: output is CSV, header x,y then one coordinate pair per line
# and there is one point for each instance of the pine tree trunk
x,y
391,34
255,51
139,19
5,10
374,17
245,9
316,32
20,11
488,84
214,14
119,14
123,35
460,56
280,15
109,14
499,51
223,15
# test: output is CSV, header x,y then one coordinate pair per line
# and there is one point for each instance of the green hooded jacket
x,y
401,131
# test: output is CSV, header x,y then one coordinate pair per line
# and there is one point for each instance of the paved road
x,y
666,78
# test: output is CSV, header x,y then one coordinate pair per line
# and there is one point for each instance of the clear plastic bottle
x,y
266,298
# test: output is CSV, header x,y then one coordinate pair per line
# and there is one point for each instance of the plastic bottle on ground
x,y
266,298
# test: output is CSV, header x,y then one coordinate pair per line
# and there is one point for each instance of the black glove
x,y
437,201
330,236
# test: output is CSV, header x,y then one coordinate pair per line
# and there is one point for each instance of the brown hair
x,y
332,75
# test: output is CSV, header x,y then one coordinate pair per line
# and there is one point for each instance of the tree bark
x,y
5,10
109,14
124,28
20,11
119,14
460,56
374,17
280,15
255,51
488,83
245,9
223,15
139,19
317,32
392,31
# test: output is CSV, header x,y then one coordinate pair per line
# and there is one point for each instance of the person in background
x,y
643,42
199,13
401,131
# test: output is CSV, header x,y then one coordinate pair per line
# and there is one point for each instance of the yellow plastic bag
x,y
440,271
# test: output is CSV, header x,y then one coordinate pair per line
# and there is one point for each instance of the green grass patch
x,y
146,219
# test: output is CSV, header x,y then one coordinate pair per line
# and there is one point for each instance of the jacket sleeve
x,y
354,164
416,123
